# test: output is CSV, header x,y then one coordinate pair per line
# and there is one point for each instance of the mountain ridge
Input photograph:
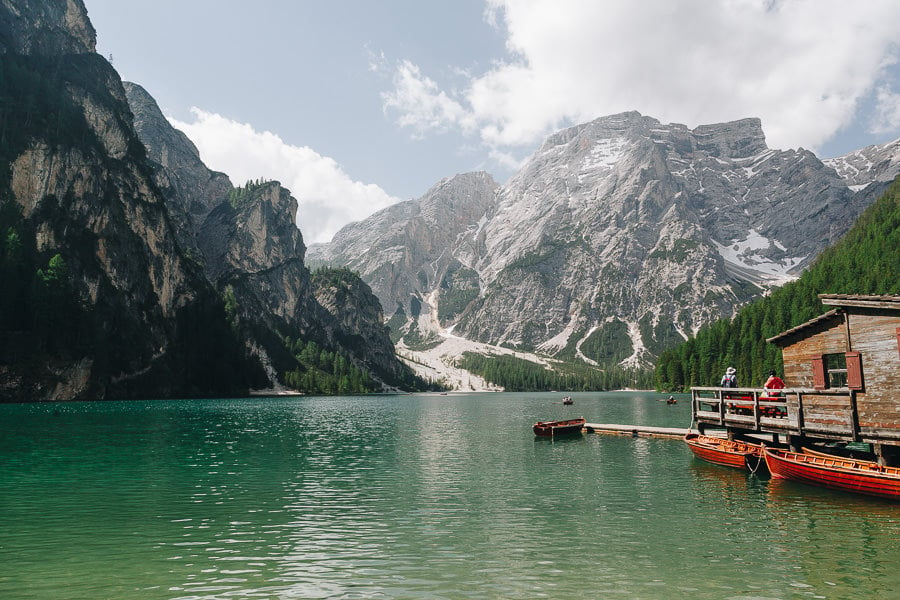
x,y
624,229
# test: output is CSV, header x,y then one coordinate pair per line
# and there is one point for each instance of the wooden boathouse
x,y
842,371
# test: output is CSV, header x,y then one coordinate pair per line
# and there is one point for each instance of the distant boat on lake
x,y
559,428
568,401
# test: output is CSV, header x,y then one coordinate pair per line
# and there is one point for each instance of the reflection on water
x,y
409,497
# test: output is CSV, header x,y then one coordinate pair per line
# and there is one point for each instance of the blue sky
x,y
354,105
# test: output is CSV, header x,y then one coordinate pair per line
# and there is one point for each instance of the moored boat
x,y
558,428
729,453
835,472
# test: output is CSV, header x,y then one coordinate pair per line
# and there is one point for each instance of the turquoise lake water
x,y
410,496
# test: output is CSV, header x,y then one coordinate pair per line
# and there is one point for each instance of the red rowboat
x,y
558,428
835,472
730,453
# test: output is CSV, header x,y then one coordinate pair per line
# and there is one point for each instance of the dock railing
x,y
798,411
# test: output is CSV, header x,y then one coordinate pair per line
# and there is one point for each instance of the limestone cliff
x,y
78,196
411,248
247,241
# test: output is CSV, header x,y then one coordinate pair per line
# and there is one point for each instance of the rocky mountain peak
x,y
878,163
733,140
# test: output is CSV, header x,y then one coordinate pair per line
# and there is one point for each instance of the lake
x,y
410,496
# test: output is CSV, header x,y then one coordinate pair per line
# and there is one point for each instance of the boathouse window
x,y
830,371
838,371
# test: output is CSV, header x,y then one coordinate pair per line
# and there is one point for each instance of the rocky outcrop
x,y
247,242
353,305
191,189
618,238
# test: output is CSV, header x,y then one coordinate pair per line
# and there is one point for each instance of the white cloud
x,y
421,104
802,66
887,111
328,198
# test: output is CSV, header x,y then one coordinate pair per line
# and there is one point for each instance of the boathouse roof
x,y
842,302
885,301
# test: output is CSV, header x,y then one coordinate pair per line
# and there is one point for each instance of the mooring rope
x,y
759,459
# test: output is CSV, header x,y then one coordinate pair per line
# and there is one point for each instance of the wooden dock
x,y
635,430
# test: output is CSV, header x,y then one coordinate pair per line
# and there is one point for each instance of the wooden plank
x,y
635,430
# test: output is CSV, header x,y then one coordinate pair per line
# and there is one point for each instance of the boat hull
x,y
558,428
728,453
837,473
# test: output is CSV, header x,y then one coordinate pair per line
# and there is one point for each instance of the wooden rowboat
x,y
835,472
836,453
730,453
558,428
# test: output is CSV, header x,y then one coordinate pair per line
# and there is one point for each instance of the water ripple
x,y
408,497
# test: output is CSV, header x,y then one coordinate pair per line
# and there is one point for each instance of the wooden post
x,y
756,409
721,398
854,417
878,449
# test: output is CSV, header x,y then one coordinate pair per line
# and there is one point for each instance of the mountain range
x,y
617,239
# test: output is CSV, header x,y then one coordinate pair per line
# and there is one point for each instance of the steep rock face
x,y
191,189
352,304
45,28
623,229
657,227
251,245
77,180
139,245
408,249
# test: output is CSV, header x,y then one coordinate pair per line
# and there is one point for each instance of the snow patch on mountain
x,y
560,340
747,255
604,155
581,354
636,360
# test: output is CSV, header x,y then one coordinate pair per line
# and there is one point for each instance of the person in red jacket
x,y
773,386
774,382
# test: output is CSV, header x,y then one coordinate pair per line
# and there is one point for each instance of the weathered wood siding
x,y
829,337
823,413
873,334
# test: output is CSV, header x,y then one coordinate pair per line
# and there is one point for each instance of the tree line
x,y
322,371
519,375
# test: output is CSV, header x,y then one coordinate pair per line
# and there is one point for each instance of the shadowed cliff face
x,y
133,251
50,27
622,227
253,247
76,187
